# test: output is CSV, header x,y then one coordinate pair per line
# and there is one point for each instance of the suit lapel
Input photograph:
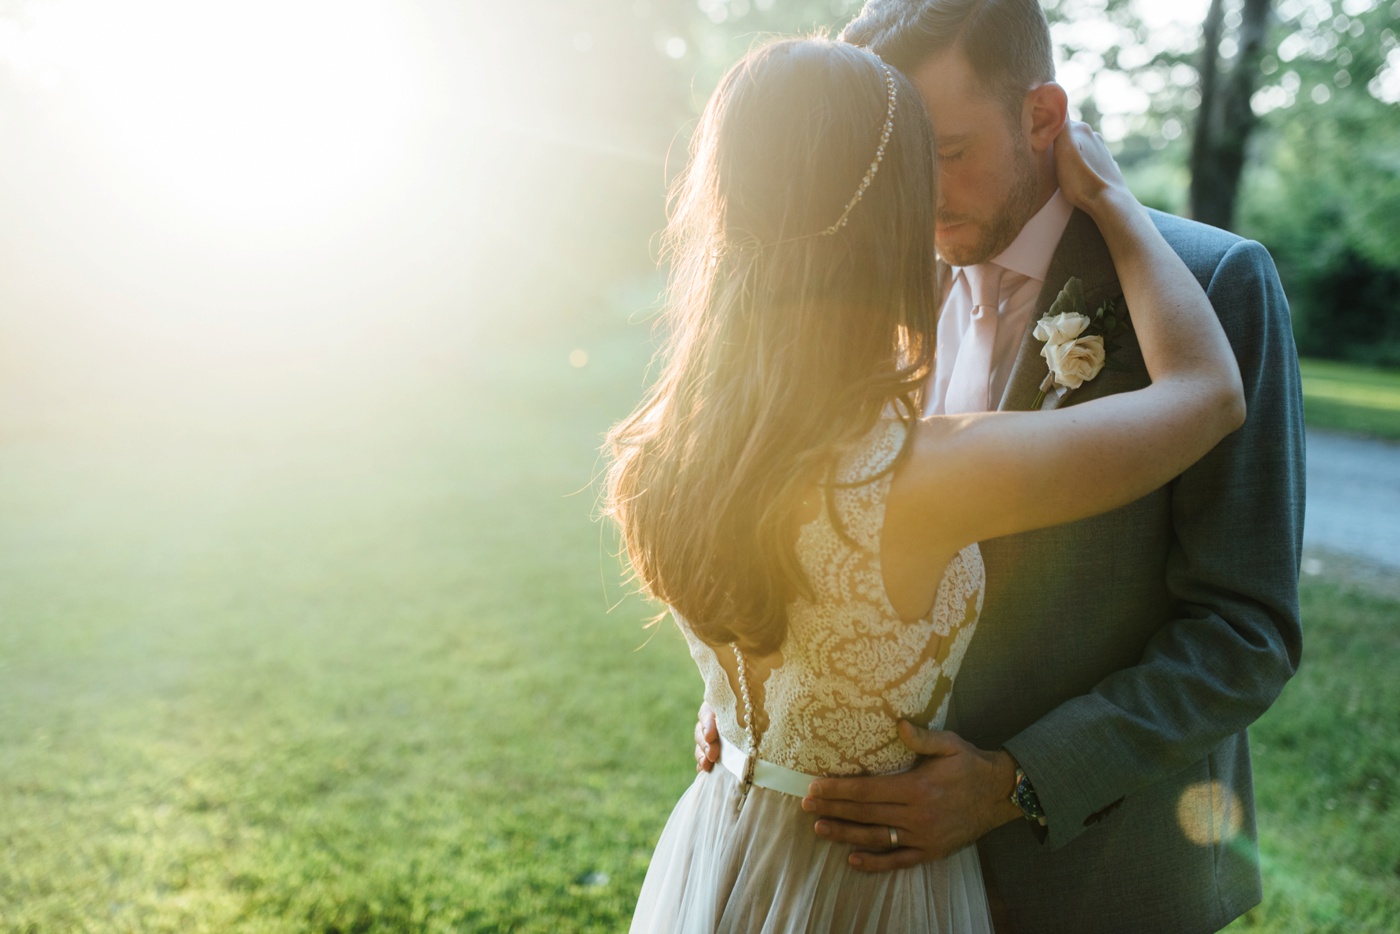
x,y
1083,253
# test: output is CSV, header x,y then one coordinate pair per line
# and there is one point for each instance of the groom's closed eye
x,y
952,147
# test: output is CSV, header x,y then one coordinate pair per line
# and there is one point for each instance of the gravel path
x,y
1353,498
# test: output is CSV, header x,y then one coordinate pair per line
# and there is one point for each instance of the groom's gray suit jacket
x,y
1120,659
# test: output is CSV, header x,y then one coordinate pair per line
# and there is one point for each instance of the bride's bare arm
x,y
982,476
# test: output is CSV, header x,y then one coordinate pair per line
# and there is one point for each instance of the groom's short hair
x,y
1007,42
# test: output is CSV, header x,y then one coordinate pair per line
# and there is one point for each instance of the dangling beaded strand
x,y
746,782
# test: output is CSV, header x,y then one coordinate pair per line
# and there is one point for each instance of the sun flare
x,y
259,111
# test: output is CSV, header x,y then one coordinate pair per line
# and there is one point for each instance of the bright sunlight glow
x,y
256,112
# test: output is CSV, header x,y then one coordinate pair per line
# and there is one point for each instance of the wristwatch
x,y
1024,797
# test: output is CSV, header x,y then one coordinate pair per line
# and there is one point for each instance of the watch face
x,y
1026,799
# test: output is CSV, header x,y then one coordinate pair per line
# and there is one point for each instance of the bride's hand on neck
x,y
1087,173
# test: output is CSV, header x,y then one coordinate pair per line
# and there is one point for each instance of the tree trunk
x,y
1225,118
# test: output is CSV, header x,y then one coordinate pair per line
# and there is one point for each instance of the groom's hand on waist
x,y
946,801
706,739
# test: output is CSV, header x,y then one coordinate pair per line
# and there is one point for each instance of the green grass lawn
x,y
352,657
1352,398
1327,773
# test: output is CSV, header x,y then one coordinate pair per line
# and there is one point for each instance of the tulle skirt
x,y
763,870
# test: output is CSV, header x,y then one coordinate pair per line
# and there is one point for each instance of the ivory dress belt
x,y
765,774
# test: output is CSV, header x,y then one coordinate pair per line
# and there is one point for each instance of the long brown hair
x,y
784,344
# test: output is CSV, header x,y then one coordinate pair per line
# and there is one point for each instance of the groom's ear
x,y
1043,115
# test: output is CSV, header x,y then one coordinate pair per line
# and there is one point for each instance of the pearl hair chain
x,y
891,98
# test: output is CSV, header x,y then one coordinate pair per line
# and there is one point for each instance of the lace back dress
x,y
828,704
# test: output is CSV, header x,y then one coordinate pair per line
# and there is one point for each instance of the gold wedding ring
x,y
894,839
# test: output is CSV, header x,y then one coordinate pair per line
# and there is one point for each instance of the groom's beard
x,y
1011,215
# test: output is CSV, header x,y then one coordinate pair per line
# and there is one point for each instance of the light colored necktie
x,y
972,370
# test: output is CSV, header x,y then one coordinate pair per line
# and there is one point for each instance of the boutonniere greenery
x,y
1078,344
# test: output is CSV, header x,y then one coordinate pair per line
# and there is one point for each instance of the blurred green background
x,y
312,316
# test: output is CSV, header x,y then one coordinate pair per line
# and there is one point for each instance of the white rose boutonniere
x,y
1061,328
1076,345
1074,363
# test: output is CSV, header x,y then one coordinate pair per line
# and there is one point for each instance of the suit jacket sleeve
x,y
1235,637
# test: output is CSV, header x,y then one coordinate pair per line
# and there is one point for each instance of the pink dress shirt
x,y
1026,262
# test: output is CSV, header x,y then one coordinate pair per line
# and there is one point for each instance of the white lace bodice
x,y
850,669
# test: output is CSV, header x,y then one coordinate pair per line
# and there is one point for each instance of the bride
x,y
814,537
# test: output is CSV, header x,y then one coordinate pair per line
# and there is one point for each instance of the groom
x,y
1097,751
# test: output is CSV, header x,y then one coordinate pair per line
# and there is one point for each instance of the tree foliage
x,y
1324,189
